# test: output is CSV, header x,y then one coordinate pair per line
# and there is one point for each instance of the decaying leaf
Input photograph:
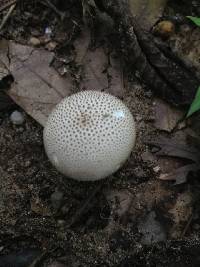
x,y
166,116
173,148
99,70
179,175
37,86
147,12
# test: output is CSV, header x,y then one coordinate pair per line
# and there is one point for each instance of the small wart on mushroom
x,y
89,135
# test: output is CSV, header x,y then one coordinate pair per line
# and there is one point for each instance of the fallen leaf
x,y
179,175
37,87
176,150
99,70
166,116
147,12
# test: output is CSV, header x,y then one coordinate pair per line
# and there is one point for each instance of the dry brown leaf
x,y
179,175
147,12
176,168
99,70
37,87
166,116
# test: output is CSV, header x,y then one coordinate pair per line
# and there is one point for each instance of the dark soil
x,y
47,217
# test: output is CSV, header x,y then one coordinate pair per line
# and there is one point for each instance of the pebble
x,y
17,118
34,41
51,46
156,169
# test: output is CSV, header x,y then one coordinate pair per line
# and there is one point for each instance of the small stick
x,y
59,13
6,4
7,16
187,226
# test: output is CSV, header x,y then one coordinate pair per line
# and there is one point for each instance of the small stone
x,y
34,41
17,118
56,199
156,169
44,40
51,46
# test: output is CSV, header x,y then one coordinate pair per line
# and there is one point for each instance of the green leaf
x,y
195,20
195,106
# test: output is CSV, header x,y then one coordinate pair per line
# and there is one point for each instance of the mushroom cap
x,y
89,135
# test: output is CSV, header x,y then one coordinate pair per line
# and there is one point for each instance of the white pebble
x,y
17,118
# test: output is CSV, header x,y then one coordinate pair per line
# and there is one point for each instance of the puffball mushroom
x,y
89,135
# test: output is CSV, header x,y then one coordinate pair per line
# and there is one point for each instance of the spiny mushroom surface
x,y
89,135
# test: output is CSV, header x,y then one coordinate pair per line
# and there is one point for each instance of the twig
x,y
187,226
7,16
49,4
7,3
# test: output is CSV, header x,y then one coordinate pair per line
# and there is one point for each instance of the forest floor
x,y
139,216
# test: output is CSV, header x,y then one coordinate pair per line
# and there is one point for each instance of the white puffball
x,y
89,135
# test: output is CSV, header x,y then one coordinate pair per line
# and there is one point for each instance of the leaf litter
x,y
37,86
173,148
